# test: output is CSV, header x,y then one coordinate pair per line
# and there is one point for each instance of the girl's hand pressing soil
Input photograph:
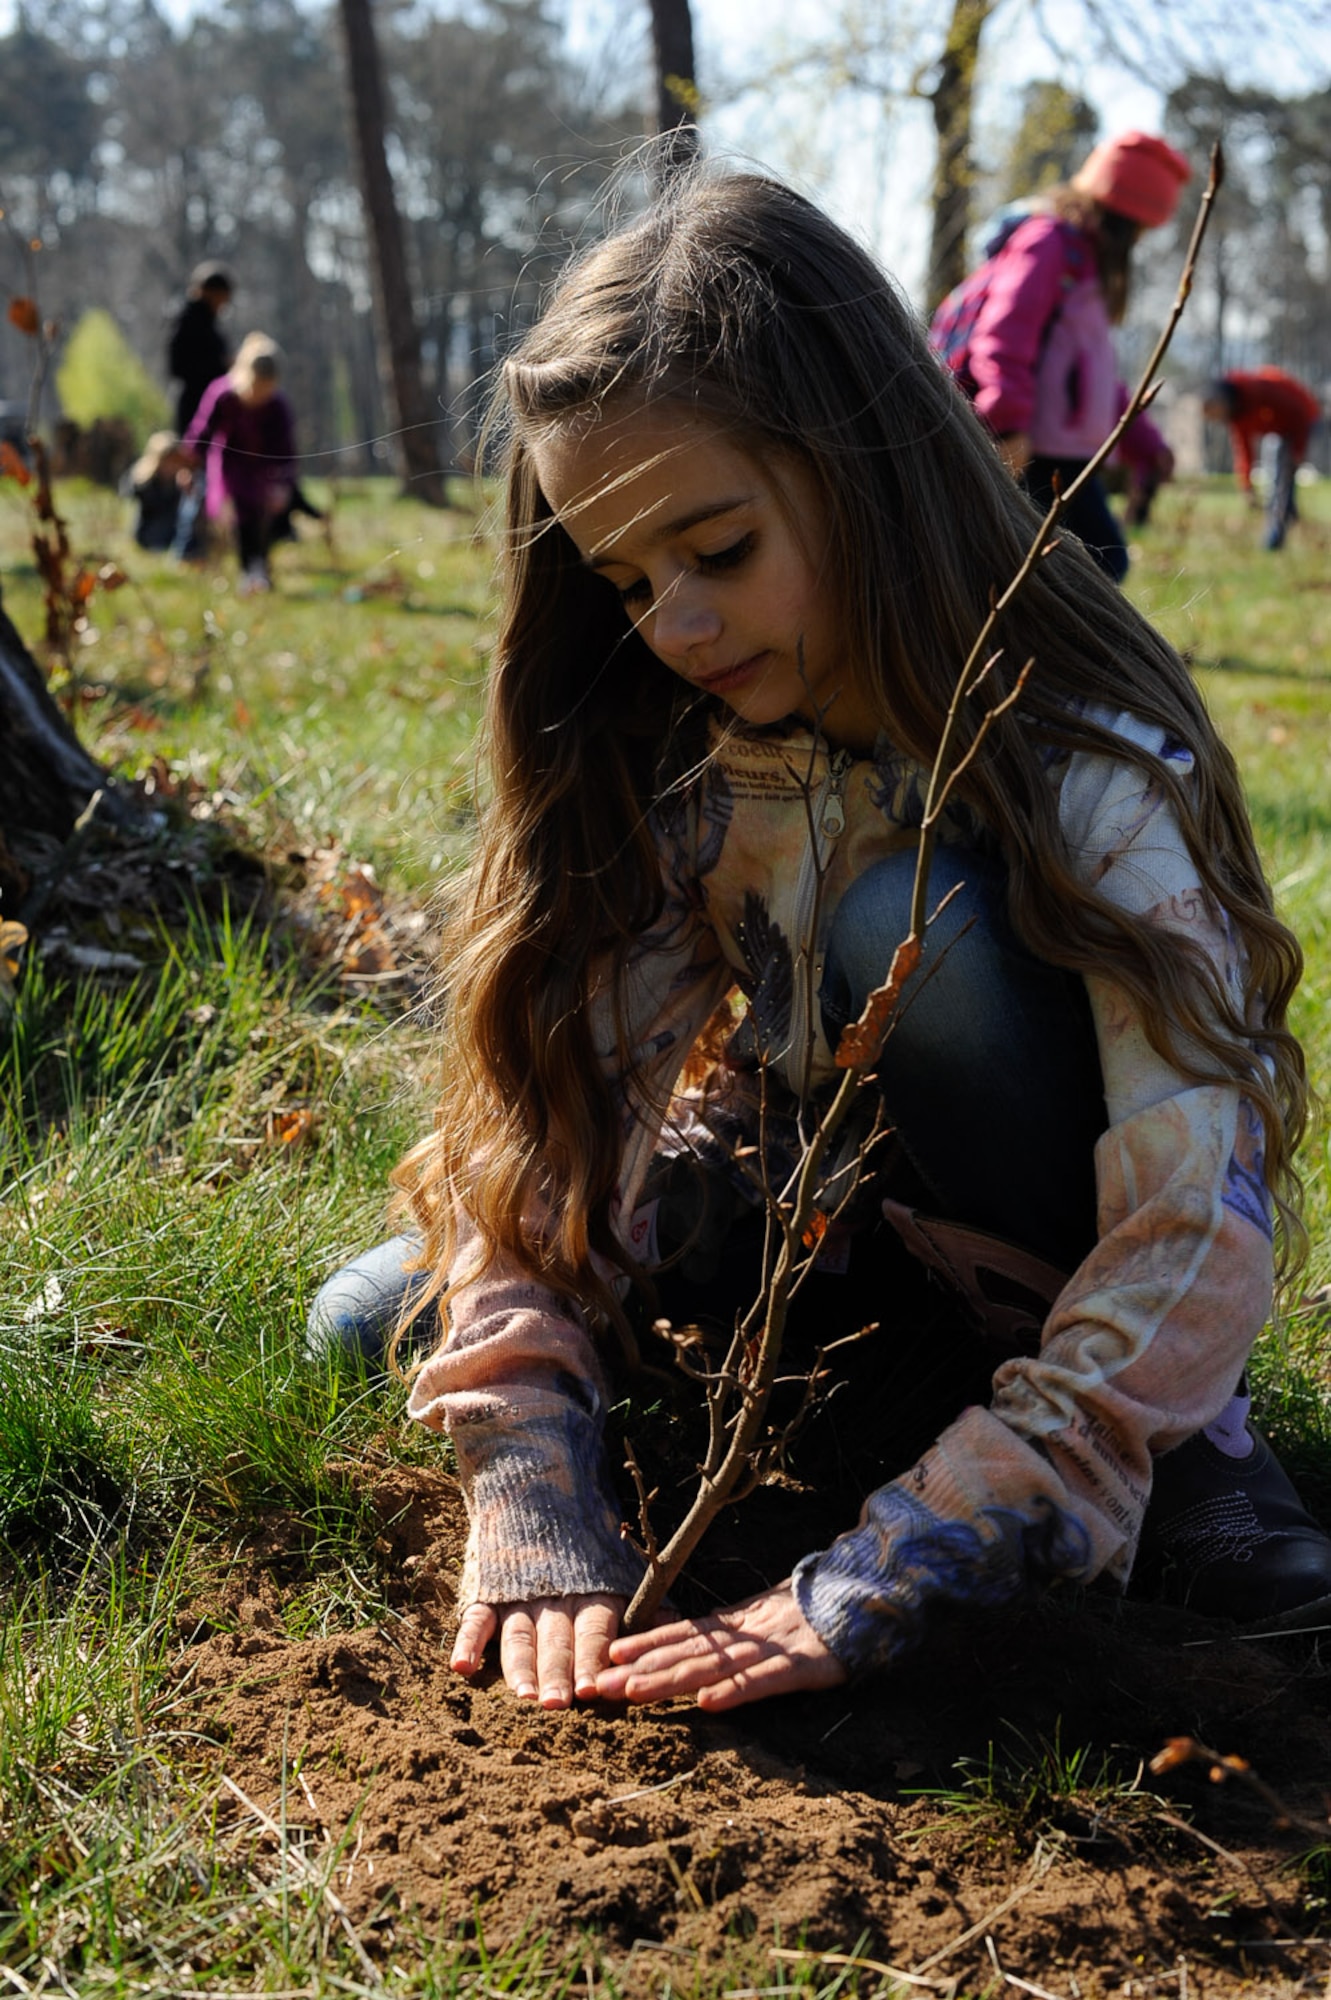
x,y
550,1648
762,1647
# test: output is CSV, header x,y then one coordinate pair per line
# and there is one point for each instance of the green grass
x,y
162,1246
339,707
159,1248
1040,1792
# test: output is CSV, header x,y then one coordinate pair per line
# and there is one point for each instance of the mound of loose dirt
x,y
671,1832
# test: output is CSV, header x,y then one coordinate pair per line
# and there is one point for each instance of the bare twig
x,y
853,1962
1011,1979
1187,1750
645,1499
1235,1860
1040,1866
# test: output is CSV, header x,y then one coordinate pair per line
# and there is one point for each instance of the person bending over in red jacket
x,y
1266,402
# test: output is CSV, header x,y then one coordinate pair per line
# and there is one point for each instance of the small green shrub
x,y
102,376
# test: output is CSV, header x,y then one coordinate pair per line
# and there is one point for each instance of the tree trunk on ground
x,y
46,776
952,102
399,339
676,84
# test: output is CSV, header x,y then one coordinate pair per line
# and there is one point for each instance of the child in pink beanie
x,y
1136,175
1040,361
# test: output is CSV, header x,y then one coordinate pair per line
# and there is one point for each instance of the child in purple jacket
x,y
1040,362
245,425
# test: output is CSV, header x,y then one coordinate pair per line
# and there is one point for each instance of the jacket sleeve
x,y
207,417
1146,1342
518,1386
517,1382
1243,438
1024,293
1143,441
281,441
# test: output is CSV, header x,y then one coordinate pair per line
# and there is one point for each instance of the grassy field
x,y
188,1152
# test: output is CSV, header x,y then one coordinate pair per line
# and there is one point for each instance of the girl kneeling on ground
x,y
752,533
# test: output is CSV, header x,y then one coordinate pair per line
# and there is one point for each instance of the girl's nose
x,y
684,618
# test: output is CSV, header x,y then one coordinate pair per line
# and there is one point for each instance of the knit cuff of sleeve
x,y
544,1519
872,1596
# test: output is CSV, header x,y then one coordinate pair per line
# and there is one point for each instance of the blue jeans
x,y
1281,506
990,1080
188,540
990,1077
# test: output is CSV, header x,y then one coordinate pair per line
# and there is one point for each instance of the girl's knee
x,y
873,918
357,1310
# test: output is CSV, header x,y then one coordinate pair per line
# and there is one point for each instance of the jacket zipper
x,y
829,823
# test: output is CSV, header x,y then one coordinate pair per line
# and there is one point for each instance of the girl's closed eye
x,y
713,562
730,557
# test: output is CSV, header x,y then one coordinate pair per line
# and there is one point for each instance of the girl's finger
x,y
632,1646
772,1674
593,1629
474,1635
554,1655
517,1652
683,1664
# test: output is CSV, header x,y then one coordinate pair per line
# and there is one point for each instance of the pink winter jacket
x,y
1042,352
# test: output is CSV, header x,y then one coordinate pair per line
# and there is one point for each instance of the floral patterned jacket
x,y
1143,1346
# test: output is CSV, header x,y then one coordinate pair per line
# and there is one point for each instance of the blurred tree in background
x,y
100,375
1267,268
131,148
1055,131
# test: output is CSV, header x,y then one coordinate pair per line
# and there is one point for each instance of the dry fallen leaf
x,y
360,892
13,937
11,464
862,1040
294,1126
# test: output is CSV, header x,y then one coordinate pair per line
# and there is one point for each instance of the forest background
x,y
135,141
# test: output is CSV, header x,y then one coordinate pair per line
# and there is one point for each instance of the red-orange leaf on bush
x,y
24,315
83,586
1178,1750
11,464
816,1230
862,1040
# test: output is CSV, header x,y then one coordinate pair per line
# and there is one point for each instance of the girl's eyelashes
x,y
728,558
714,562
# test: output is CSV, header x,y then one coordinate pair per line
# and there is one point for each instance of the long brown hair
x,y
737,300
1113,239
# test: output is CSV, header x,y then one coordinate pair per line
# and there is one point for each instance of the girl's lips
x,y
731,677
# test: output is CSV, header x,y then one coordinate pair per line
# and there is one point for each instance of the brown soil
x,y
674,1836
